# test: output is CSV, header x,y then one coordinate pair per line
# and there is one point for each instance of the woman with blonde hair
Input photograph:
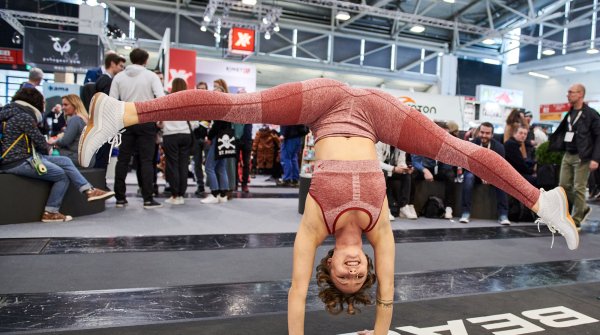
x,y
347,193
67,142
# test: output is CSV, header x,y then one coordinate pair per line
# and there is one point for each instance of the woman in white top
x,y
177,145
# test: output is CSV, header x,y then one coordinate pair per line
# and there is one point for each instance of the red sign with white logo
x,y
11,56
182,64
554,108
241,41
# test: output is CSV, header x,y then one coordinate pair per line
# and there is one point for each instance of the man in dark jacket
x,y
579,135
21,136
484,139
290,150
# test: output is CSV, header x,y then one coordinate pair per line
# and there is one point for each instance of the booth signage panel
x,y
53,93
182,64
435,106
499,95
11,56
240,77
61,51
553,112
241,41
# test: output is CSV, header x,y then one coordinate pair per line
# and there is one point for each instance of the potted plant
x,y
548,166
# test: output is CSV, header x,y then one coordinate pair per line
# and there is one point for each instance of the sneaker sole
x,y
104,196
89,127
569,218
51,221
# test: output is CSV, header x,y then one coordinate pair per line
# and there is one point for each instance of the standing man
x,y
137,83
290,150
113,63
35,78
485,138
579,135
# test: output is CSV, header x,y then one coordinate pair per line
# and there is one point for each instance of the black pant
x,y
139,139
102,157
245,148
398,191
447,176
177,151
198,152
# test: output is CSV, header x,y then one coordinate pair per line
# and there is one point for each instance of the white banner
x,y
53,93
240,77
499,95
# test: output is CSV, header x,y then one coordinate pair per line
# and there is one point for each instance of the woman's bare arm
x,y
382,240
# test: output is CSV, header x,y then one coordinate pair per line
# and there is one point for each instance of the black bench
x,y
483,207
23,199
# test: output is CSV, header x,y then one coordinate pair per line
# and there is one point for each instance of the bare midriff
x,y
345,148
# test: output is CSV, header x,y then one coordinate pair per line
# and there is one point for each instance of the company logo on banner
x,y
499,95
423,108
241,41
182,64
61,51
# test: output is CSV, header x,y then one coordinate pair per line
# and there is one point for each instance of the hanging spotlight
x,y
417,29
203,28
276,28
342,16
548,52
16,39
267,36
249,2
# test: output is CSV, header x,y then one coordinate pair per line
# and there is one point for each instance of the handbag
x,y
225,146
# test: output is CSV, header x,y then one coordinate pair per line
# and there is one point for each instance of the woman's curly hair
x,y
333,298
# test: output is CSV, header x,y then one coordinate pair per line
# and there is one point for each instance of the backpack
x,y
4,153
434,208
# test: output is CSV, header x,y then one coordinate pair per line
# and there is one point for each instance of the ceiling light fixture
x,y
276,28
449,1
342,16
591,51
491,61
203,28
570,68
265,20
539,75
548,52
417,29
267,36
488,41
249,2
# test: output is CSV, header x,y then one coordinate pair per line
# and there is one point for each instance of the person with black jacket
x,y
21,138
290,150
514,155
579,135
485,138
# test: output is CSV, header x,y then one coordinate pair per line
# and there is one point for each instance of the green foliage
x,y
543,156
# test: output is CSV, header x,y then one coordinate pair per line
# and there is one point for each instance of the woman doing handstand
x,y
347,192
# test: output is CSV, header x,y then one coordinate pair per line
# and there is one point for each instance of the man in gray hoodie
x,y
137,83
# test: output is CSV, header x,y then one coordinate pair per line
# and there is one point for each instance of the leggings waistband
x,y
347,166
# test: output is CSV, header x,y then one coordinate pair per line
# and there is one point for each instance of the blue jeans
x,y
467,192
216,170
61,170
289,158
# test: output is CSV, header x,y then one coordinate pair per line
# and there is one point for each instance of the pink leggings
x,y
322,104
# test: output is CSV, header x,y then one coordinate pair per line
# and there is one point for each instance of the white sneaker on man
x,y
554,212
105,121
180,201
448,213
407,213
392,218
464,218
222,199
210,199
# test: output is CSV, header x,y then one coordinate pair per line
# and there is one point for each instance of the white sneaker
x,y
172,201
392,218
554,212
221,199
105,122
413,211
464,218
504,221
180,201
448,213
210,199
407,213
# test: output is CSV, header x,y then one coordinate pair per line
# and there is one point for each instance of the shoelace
x,y
552,229
114,142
